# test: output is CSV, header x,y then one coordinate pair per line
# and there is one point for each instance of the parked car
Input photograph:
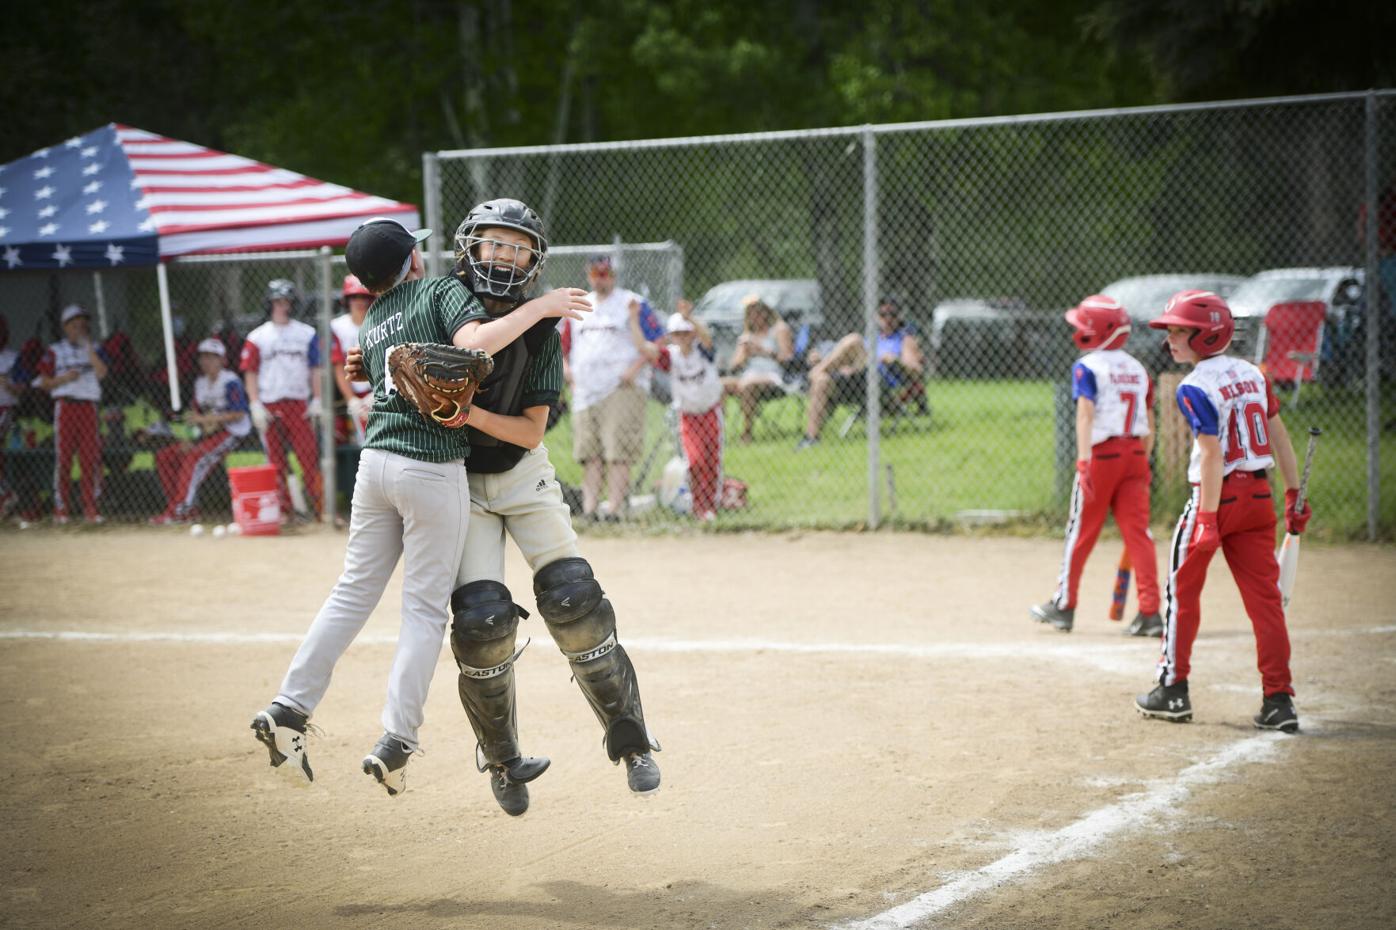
x,y
996,337
1340,289
797,300
1145,296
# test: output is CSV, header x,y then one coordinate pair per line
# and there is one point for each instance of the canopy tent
x,y
124,196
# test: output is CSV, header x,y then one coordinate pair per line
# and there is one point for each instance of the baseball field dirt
x,y
858,731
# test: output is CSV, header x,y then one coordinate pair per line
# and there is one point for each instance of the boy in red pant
x,y
1239,436
1114,433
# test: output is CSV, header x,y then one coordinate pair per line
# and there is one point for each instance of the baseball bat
x,y
1288,556
1121,593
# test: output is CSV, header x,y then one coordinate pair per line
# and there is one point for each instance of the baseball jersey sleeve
x,y
251,357
1198,410
235,397
1272,400
312,352
543,379
46,364
649,322
664,362
337,356
455,306
1083,382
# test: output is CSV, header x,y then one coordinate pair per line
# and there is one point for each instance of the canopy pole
x,y
167,321
102,326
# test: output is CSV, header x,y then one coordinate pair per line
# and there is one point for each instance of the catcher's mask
x,y
501,279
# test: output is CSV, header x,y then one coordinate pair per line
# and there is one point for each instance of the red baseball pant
x,y
1246,524
182,470
701,434
1119,470
75,433
289,426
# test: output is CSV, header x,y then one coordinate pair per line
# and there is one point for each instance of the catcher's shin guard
x,y
482,638
583,625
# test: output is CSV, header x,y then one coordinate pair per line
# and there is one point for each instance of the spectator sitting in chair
x,y
839,378
764,348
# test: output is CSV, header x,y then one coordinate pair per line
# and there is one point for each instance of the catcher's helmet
x,y
1204,312
1100,322
353,287
282,289
500,280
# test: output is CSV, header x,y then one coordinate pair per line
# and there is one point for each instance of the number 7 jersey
x,y
1229,398
1120,389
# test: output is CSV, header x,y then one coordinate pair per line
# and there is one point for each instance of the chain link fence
x,y
982,232
979,233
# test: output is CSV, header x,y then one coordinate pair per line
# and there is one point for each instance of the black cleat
x,y
1277,713
282,731
1145,625
509,781
1166,702
641,773
387,762
1049,612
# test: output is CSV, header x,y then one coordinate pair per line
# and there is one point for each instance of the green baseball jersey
x,y
543,381
424,310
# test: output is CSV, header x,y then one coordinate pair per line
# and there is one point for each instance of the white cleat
x,y
283,732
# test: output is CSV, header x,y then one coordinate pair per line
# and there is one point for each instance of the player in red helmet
x,y
1239,437
1114,434
357,395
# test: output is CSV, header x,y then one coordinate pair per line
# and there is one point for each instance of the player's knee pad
x,y
483,628
583,624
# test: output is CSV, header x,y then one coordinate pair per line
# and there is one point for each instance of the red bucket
x,y
256,501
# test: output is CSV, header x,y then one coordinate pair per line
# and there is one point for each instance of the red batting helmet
x,y
353,287
1204,312
1100,322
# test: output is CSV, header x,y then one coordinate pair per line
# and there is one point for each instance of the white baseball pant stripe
x,y
59,486
1177,554
526,501
421,511
205,464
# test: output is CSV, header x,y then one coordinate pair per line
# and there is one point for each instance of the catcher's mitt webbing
x,y
438,380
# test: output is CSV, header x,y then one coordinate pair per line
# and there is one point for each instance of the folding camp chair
x,y
1291,342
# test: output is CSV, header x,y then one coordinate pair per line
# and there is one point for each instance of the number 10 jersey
x,y
1229,398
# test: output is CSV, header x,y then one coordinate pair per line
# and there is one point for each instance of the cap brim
x,y
421,235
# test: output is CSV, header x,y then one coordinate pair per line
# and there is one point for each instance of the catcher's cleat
x,y
641,772
509,782
1166,702
1277,713
387,762
283,731
1049,612
1145,625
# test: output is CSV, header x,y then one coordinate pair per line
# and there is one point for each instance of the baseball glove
x,y
439,380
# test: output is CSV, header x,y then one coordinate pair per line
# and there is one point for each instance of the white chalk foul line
x,y
1074,841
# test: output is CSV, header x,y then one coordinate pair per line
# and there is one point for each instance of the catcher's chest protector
x,y
502,393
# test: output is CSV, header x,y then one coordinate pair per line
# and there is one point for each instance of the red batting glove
x,y
1205,536
1083,478
1295,522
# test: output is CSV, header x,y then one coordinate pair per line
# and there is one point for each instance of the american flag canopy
x,y
120,196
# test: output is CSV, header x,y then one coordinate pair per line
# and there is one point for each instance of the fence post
x,y
431,185
1374,314
327,393
870,276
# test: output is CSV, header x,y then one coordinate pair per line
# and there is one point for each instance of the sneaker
x,y
387,762
283,731
641,773
1049,612
509,782
1277,713
1166,702
1145,625
805,442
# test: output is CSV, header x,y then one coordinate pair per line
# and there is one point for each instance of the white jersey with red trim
x,y
1121,390
693,379
224,394
8,357
64,356
346,337
1231,399
282,357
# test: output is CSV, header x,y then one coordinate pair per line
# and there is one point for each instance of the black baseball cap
x,y
378,248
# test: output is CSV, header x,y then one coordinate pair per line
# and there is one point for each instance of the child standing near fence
x,y
697,391
1114,433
